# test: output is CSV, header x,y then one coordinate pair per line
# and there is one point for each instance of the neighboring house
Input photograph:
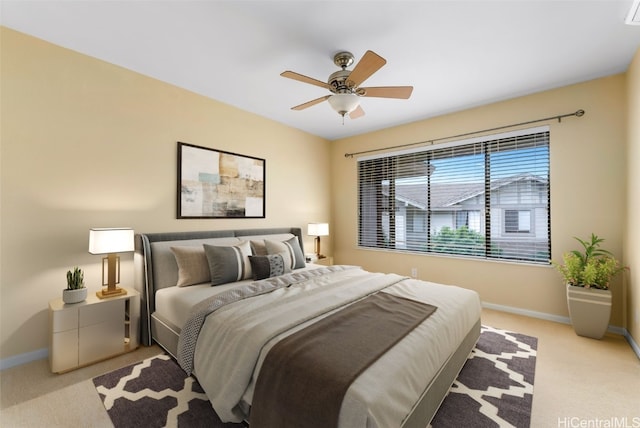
x,y
519,214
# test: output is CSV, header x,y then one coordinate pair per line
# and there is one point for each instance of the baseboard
x,y
526,312
18,360
632,343
564,320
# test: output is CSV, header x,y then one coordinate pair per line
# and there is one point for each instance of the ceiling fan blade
x,y
369,64
310,103
403,92
305,79
358,112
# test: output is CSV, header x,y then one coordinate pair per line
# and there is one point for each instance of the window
x,y
516,221
485,197
416,221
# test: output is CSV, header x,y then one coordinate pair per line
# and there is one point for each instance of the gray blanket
x,y
199,313
305,376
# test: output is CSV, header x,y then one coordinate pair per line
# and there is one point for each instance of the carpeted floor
x,y
494,389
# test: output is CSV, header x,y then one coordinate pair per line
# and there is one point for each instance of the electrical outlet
x,y
414,272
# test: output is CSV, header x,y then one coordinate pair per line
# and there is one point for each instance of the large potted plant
x,y
587,274
75,291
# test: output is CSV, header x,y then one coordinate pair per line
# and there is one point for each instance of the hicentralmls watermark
x,y
613,422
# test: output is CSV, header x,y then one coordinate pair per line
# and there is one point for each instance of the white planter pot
x,y
74,296
590,310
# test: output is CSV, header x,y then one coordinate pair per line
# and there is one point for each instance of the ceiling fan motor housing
x,y
339,80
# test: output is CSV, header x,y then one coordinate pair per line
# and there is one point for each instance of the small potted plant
x,y
75,291
587,275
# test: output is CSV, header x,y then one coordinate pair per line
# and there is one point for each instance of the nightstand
x,y
325,261
94,330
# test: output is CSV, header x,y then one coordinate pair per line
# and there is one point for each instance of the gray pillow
x,y
193,267
267,266
292,253
228,264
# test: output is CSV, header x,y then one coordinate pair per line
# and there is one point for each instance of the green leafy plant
x,y
458,241
592,268
75,279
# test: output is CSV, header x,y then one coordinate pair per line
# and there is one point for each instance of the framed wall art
x,y
218,184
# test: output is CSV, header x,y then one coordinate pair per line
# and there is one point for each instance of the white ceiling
x,y
456,54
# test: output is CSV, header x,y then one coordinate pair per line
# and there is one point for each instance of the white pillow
x,y
290,250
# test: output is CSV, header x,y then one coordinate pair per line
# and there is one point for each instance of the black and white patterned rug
x,y
494,389
495,386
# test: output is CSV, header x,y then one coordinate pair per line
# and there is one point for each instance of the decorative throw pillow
x,y
193,267
292,253
228,264
258,248
267,266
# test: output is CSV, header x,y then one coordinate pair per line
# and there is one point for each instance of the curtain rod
x,y
578,113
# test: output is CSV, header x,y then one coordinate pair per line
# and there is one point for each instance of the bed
x,y
402,387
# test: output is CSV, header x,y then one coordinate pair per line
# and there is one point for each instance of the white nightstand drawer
x,y
104,312
101,340
65,320
67,344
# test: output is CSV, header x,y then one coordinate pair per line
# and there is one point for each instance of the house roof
x,y
446,195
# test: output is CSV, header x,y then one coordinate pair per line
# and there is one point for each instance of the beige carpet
x,y
577,379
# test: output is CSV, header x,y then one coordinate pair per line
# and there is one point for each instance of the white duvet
x,y
235,339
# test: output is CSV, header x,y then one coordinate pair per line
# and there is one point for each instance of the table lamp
x,y
318,230
110,241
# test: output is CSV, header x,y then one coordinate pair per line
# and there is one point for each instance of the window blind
x,y
487,197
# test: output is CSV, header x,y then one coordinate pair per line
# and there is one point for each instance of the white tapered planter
x,y
590,310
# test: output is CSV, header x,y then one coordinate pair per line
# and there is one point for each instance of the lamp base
x,y
105,293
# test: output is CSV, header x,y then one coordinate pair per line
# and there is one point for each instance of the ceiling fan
x,y
345,84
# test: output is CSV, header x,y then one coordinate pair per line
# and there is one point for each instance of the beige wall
x,y
87,144
632,235
587,192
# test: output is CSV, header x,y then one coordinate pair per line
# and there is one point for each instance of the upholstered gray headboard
x,y
156,267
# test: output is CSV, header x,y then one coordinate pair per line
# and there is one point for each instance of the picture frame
x,y
219,184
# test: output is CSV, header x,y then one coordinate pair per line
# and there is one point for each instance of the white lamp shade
x,y
344,103
318,229
110,240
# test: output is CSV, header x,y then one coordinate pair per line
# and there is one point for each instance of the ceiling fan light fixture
x,y
343,103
